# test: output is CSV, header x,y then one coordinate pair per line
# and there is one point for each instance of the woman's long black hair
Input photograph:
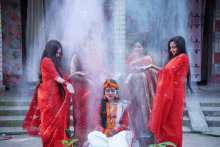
x,y
50,51
181,48
143,42
103,113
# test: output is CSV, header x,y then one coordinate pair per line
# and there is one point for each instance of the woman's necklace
x,y
110,126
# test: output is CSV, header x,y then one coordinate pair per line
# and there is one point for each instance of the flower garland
x,y
109,84
110,126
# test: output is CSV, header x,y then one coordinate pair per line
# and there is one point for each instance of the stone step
x,y
187,129
196,116
12,131
186,121
186,112
22,110
9,103
11,121
28,102
210,104
17,103
13,110
17,121
17,130
215,131
212,121
211,111
18,110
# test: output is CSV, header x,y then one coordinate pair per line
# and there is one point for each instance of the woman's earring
x,y
116,97
104,97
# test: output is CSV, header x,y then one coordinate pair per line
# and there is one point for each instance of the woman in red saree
x,y
169,103
48,116
79,100
140,89
88,68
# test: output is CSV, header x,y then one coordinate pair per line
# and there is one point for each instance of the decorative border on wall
x,y
216,46
12,42
196,24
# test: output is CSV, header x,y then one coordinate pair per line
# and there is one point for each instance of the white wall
x,y
119,35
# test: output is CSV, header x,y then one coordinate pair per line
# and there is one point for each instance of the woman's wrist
x,y
152,66
103,130
119,129
65,83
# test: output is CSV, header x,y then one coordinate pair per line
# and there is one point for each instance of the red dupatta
x,y
162,102
32,120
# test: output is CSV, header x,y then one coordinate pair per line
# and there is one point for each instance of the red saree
x,y
84,97
141,90
48,115
80,111
168,107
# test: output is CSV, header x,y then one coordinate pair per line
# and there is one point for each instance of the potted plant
x,y
70,141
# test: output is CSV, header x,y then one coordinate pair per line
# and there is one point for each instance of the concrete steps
x,y
212,115
211,111
186,122
213,121
13,110
18,110
18,103
8,121
16,130
12,130
13,113
17,121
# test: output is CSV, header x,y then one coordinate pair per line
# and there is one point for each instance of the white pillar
x,y
119,35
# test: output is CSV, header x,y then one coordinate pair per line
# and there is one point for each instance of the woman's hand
x,y
73,63
144,67
149,66
111,133
78,76
80,73
69,87
157,68
89,82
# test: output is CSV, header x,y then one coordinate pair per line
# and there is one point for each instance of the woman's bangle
x,y
103,130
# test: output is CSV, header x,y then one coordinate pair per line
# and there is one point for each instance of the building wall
x,y
12,42
135,28
196,24
1,75
216,45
